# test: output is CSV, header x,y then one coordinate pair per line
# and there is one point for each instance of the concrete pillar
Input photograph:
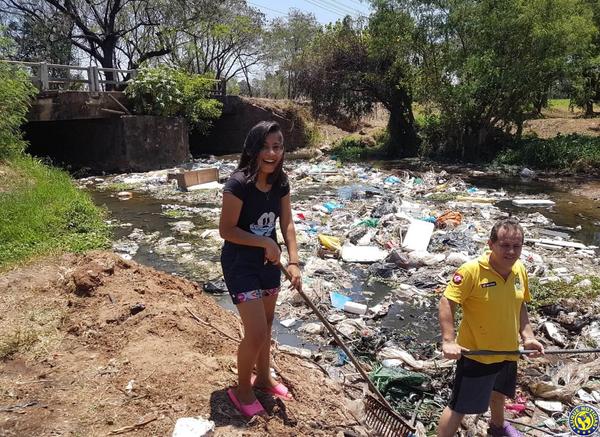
x,y
44,80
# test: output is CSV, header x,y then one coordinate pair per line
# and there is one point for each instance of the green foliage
x,y
42,40
574,152
553,292
16,92
487,64
350,66
351,148
584,75
168,92
43,212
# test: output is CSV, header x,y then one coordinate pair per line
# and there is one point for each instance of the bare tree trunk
x,y
589,108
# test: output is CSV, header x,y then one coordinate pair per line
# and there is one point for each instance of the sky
x,y
325,11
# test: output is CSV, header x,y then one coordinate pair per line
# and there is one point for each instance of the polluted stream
x,y
176,232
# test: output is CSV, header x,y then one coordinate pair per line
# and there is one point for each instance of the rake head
x,y
384,421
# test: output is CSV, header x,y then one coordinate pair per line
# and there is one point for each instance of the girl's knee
x,y
256,338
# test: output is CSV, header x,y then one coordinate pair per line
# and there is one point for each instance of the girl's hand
x,y
272,251
296,280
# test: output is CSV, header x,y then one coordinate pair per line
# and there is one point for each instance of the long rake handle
x,y
338,340
531,351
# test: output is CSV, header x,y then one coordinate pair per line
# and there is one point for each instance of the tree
x,y
585,77
99,27
224,39
484,63
286,40
36,41
348,67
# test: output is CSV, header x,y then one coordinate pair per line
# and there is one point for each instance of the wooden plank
x,y
194,177
558,243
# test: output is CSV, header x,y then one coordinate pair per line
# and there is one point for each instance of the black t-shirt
x,y
260,210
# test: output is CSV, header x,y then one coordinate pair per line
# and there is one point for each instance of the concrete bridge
x,y
83,120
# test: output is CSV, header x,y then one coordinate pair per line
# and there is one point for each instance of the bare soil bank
x,y
79,341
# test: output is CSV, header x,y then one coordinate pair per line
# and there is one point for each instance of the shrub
x,y
351,148
168,92
575,152
16,92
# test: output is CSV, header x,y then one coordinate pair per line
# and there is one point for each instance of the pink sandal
x,y
279,390
248,410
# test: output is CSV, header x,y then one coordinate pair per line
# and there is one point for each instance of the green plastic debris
x,y
418,181
370,222
397,382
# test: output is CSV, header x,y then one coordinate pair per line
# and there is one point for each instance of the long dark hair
x,y
255,140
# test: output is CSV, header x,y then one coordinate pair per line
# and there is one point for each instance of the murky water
x,y
415,323
571,210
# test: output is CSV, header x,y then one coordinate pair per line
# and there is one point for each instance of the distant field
x,y
562,106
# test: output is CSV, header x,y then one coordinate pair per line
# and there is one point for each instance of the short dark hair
x,y
510,224
255,140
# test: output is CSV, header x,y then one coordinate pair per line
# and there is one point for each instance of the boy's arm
x,y
450,348
527,335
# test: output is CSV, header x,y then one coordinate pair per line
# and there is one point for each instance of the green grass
x,y
118,186
175,213
563,105
554,292
42,212
573,152
354,148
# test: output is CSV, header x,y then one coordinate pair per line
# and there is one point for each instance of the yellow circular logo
x,y
584,420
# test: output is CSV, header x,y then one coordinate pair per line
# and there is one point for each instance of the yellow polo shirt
x,y
491,307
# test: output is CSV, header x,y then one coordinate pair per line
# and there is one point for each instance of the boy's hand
x,y
452,350
532,343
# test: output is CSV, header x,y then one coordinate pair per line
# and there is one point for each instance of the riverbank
x,y
93,344
107,326
42,212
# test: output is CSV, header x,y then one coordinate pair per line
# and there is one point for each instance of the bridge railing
x,y
47,76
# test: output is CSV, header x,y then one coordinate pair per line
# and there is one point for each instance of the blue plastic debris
x,y
338,300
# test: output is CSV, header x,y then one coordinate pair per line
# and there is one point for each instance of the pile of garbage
x,y
377,250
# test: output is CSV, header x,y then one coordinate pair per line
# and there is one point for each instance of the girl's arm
x,y
289,235
228,229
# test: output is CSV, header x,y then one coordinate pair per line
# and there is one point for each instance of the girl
x,y
254,196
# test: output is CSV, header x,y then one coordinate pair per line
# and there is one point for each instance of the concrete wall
x,y
239,115
69,105
118,144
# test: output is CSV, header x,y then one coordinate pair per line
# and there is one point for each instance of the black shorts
x,y
247,276
475,381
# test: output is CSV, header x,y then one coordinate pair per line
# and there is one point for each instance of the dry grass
x,y
29,324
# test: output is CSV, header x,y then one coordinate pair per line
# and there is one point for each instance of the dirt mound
x,y
92,344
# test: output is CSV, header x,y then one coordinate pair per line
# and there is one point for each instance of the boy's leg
x,y
449,423
473,384
497,409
